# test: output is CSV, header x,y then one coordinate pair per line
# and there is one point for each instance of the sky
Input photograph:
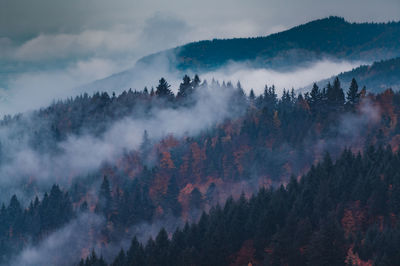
x,y
64,44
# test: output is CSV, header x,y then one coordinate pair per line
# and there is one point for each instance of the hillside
x,y
171,177
341,213
328,37
377,77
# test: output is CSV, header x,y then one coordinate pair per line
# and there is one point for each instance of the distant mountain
x,y
332,38
376,77
328,37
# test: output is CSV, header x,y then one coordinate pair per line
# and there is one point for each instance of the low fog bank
x,y
298,77
80,155
36,89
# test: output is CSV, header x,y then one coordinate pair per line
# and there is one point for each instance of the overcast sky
x,y
147,25
43,42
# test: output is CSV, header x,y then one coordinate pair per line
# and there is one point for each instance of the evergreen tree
x,y
252,96
196,81
163,90
185,88
105,200
353,95
335,95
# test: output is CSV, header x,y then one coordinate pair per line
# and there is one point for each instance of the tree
x,y
335,94
120,260
135,253
171,197
105,199
161,254
315,98
185,88
163,90
353,96
145,146
270,98
327,246
196,81
252,96
196,199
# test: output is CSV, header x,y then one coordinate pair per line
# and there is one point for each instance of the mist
x,y
33,90
297,77
80,155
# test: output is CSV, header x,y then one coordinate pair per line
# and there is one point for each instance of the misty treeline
x,y
342,212
380,75
265,141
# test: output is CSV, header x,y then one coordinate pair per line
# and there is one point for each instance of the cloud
x,y
257,78
24,17
160,31
35,89
89,42
163,31
54,66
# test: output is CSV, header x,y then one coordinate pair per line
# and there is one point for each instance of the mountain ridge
x,y
328,38
322,37
376,77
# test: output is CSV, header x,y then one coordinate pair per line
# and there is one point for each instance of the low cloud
x,y
35,89
257,78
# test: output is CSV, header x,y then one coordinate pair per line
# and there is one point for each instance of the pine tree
x,y
105,199
353,96
252,96
185,88
315,98
163,90
327,246
196,81
335,95
145,146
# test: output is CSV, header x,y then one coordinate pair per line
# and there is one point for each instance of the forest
x,y
301,179
341,212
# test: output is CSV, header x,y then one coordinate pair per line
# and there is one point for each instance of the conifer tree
x,y
353,95
163,89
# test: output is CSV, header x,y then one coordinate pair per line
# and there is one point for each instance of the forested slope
x,y
264,142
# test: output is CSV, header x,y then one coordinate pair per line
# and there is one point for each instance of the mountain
x,y
332,38
170,174
328,37
376,77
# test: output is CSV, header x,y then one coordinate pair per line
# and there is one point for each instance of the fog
x,y
51,50
83,154
298,77
73,239
33,90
